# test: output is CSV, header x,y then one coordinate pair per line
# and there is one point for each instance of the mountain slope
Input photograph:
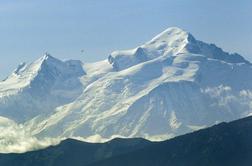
x,y
158,96
224,144
73,152
153,91
39,87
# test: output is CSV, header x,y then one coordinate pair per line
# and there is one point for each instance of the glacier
x,y
168,86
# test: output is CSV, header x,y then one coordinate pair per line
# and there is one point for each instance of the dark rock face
x,y
73,152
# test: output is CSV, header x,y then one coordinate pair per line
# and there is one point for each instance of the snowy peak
x,y
47,61
44,70
46,57
40,87
171,42
171,37
47,64
176,41
36,66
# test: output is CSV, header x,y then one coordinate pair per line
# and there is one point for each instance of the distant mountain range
x,y
166,87
225,144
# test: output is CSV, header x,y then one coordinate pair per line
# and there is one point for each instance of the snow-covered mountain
x,y
166,87
172,41
40,87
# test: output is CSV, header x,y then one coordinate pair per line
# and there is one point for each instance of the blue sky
x,y
65,27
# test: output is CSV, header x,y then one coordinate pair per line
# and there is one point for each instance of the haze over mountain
x,y
170,85
223,144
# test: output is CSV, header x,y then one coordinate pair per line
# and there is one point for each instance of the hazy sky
x,y
65,27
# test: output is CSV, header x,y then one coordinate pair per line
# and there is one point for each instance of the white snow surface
x,y
171,85
40,87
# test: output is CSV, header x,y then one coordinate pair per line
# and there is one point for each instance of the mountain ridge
x,y
171,41
222,144
153,91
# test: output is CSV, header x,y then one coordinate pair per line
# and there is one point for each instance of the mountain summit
x,y
170,85
40,87
172,41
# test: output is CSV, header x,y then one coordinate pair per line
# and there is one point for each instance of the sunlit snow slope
x,y
166,87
